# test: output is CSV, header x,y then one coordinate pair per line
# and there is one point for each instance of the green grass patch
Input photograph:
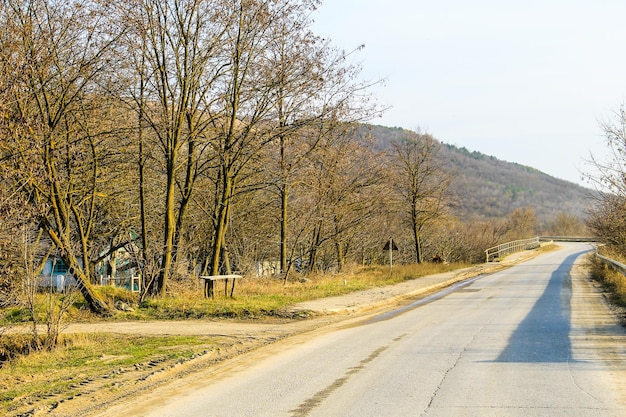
x,y
83,358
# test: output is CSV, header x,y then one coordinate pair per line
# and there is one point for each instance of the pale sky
x,y
524,81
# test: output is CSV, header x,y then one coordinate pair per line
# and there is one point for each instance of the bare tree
x,y
177,56
607,221
566,224
341,193
523,223
608,166
218,90
52,148
419,182
607,217
258,92
296,58
317,92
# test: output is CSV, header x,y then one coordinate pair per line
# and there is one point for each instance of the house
x,y
55,275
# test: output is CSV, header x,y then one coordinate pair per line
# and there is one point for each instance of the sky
x,y
525,81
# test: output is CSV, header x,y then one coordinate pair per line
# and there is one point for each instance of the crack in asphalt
x,y
454,365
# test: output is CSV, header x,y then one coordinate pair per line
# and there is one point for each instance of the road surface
x,y
532,340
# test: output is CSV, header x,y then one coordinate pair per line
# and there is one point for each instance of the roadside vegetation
x,y
607,217
269,297
253,298
612,281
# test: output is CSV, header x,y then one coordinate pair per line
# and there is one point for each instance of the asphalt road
x,y
520,342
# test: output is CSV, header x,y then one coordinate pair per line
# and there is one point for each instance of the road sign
x,y
390,245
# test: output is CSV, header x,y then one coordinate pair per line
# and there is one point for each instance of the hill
x,y
487,187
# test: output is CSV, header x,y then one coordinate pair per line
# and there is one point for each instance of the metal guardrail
x,y
567,239
612,263
497,252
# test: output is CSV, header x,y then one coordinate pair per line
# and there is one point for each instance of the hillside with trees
x,y
485,187
489,187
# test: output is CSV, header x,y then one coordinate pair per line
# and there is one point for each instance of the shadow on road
x,y
543,336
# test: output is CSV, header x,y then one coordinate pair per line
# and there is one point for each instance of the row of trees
x,y
194,134
204,136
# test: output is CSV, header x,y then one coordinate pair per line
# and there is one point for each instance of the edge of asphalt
x,y
374,298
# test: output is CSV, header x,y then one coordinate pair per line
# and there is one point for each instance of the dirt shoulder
x,y
318,312
598,332
239,339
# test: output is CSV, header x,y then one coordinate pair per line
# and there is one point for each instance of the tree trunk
x,y
170,231
145,280
314,247
283,229
418,244
340,255
95,303
222,223
186,197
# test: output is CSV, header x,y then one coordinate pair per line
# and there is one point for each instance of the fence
x,y
568,239
497,252
130,282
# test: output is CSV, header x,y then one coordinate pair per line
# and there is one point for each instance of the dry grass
x,y
268,297
613,281
253,297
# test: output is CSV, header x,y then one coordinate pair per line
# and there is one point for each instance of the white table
x,y
209,281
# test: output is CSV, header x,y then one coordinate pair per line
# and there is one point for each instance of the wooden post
x,y
390,253
208,288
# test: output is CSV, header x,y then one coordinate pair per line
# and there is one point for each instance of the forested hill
x,y
486,187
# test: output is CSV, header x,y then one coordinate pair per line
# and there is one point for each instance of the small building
x,y
55,275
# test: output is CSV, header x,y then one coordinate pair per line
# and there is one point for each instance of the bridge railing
x,y
498,252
